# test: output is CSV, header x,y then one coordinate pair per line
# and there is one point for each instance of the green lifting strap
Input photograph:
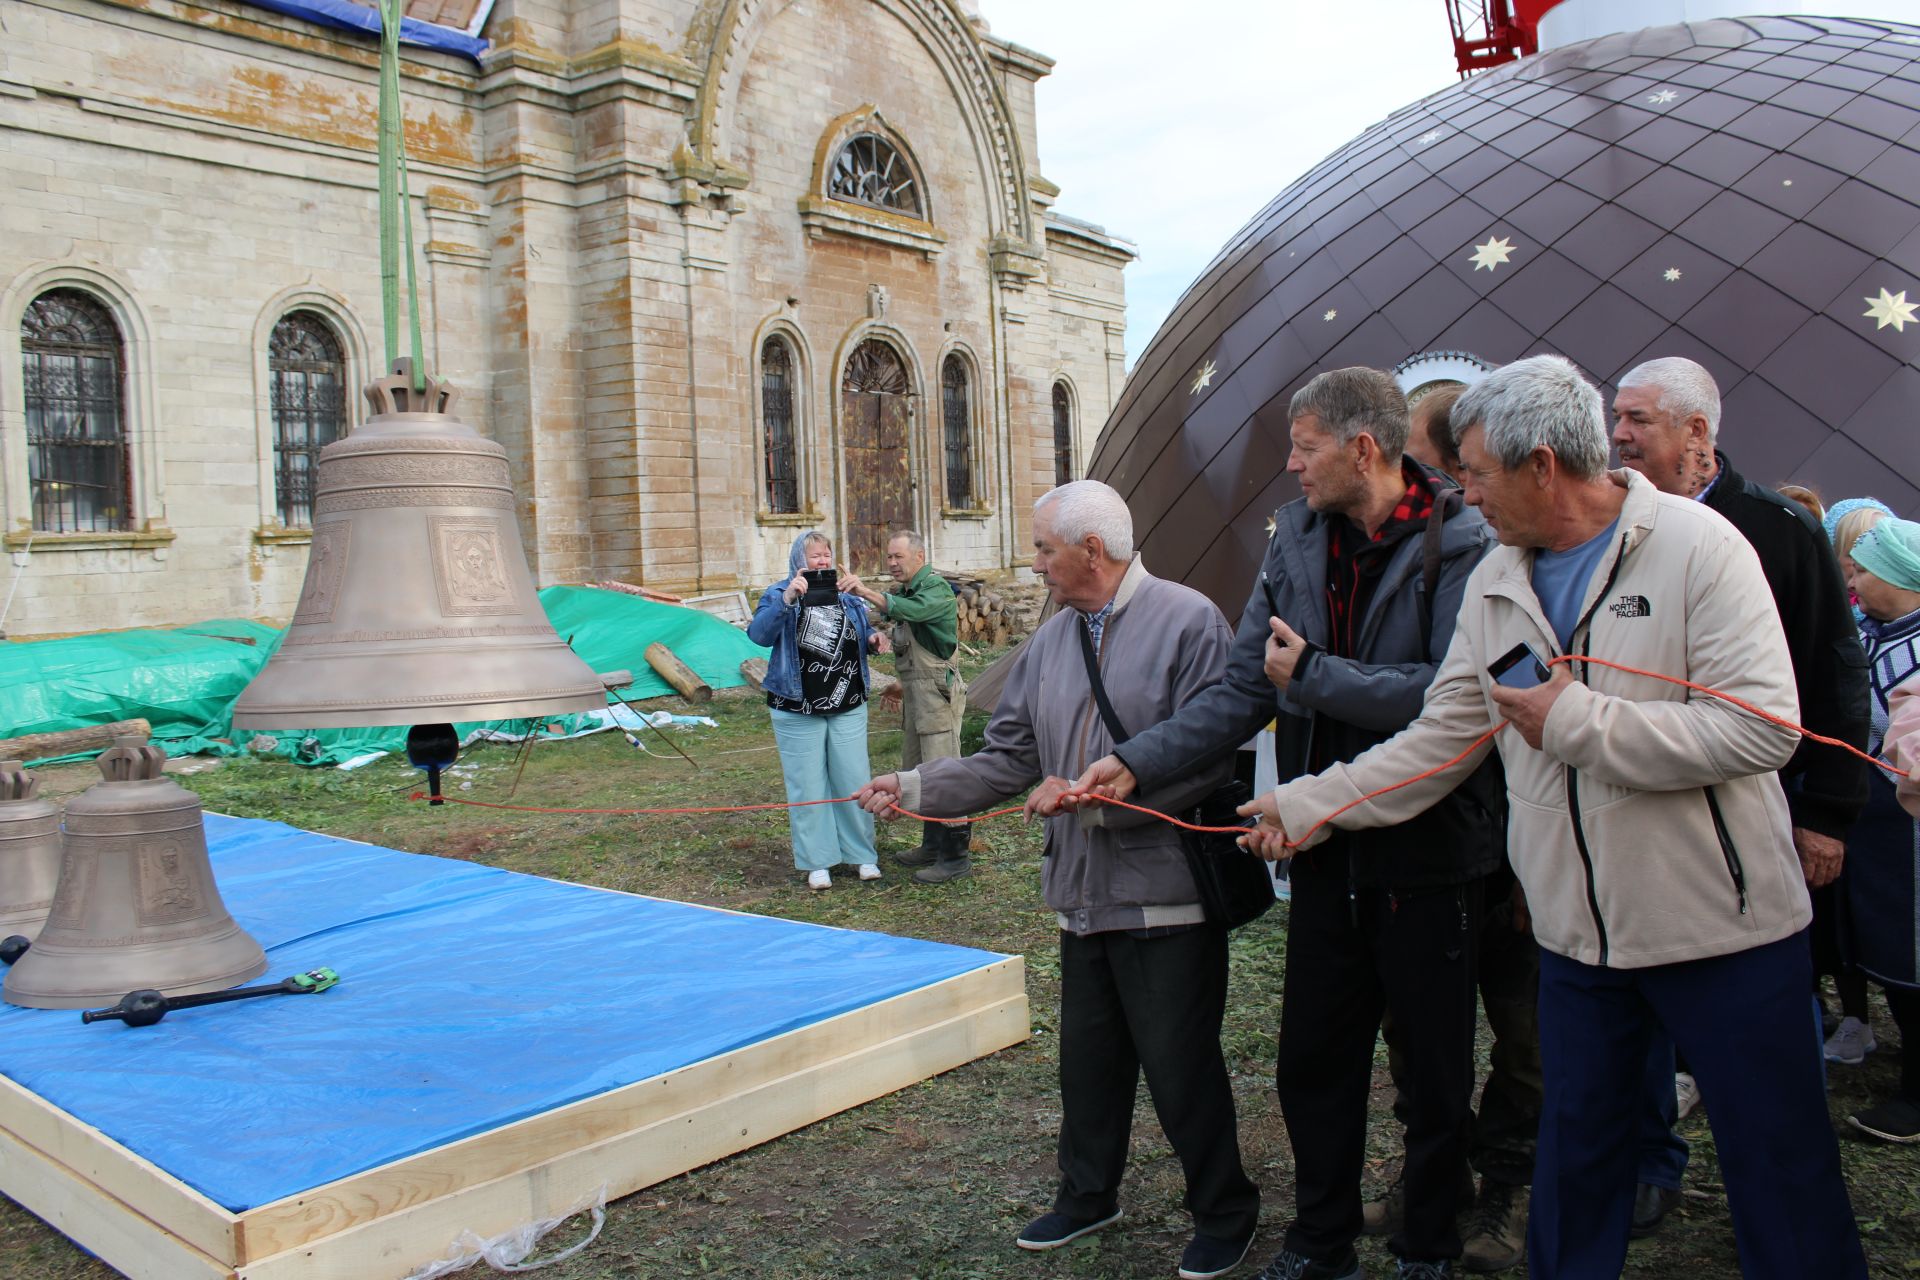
x,y
396,204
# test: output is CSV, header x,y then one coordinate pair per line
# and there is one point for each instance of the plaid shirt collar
x,y
1097,622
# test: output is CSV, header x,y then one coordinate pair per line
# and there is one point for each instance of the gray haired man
x,y
1143,975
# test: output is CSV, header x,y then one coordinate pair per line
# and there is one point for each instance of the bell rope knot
x,y
131,760
15,782
395,394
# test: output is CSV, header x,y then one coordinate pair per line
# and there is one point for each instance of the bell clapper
x,y
432,747
146,1007
13,948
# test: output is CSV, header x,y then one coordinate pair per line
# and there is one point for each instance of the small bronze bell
x,y
137,906
418,607
29,852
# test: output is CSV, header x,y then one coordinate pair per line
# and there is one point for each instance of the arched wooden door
x,y
877,416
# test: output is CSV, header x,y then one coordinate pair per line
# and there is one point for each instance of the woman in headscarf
x,y
1883,851
816,687
1852,1038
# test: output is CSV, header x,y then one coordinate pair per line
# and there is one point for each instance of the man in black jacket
x,y
1342,633
1667,418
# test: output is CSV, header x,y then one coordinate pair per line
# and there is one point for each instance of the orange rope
x,y
1471,747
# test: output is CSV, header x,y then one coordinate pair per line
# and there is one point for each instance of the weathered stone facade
x,y
617,210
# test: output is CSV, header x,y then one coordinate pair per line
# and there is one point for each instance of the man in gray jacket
x,y
1353,608
1143,976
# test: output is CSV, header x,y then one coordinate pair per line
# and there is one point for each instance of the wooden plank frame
x,y
387,1221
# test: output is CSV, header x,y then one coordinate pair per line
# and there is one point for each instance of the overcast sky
x,y
1172,124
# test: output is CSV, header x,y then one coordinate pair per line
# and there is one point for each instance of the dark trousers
x,y
1128,1005
1501,1148
1741,1021
1349,958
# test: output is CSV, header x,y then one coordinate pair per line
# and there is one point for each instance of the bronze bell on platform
x,y
29,852
418,607
137,906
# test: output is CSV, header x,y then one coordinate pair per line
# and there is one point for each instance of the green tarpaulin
x,y
184,681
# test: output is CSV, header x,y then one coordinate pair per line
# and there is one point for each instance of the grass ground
x,y
931,1182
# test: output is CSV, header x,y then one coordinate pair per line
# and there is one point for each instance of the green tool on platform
x,y
144,1008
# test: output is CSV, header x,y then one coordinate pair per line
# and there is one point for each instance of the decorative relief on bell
x,y
169,893
326,566
78,870
468,570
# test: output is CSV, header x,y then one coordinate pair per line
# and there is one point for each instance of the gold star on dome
x,y
1890,309
1671,274
1205,379
1273,526
1330,314
1428,139
1491,255
1662,98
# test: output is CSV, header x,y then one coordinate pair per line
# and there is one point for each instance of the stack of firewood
x,y
985,617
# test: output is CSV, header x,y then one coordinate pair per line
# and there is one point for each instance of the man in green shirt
x,y
933,700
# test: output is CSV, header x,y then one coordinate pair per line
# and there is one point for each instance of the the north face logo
x,y
1631,607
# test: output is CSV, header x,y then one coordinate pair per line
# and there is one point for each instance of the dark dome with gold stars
x,y
1745,193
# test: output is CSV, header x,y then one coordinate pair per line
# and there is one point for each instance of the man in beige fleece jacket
x,y
1647,825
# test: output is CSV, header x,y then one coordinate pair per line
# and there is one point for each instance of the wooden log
x,y
645,593
755,672
678,674
92,737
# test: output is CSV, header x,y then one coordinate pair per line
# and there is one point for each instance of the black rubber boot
x,y
928,853
953,860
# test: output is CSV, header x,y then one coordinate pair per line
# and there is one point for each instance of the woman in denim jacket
x,y
817,685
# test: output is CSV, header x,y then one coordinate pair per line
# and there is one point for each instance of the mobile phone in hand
x,y
1519,667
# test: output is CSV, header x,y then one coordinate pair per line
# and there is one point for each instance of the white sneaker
x,y
1851,1042
1686,1095
869,871
819,879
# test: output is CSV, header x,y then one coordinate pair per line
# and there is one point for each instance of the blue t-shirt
x,y
1560,580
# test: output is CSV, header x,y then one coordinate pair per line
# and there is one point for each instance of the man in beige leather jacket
x,y
1647,825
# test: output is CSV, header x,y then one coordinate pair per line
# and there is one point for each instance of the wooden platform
x,y
384,1223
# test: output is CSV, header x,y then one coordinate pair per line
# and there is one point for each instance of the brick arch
x,y
722,42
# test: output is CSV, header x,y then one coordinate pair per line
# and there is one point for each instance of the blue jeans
x,y
1741,1021
822,757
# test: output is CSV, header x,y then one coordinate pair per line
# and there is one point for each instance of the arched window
x,y
74,378
308,372
870,170
956,404
776,416
1062,434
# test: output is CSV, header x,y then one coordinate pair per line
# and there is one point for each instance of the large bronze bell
x,y
417,607
137,906
29,852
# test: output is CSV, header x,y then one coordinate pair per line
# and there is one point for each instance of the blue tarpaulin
x,y
470,998
347,15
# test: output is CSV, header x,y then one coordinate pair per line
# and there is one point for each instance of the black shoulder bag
x,y
1235,886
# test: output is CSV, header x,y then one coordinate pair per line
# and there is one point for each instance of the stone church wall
x,y
597,295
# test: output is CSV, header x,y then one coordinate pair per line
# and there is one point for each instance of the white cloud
x,y
1172,125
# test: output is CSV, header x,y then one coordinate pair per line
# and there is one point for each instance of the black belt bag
x,y
1234,884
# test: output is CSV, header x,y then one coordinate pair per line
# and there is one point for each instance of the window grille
x,y
870,170
1062,434
73,376
958,417
776,413
308,372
